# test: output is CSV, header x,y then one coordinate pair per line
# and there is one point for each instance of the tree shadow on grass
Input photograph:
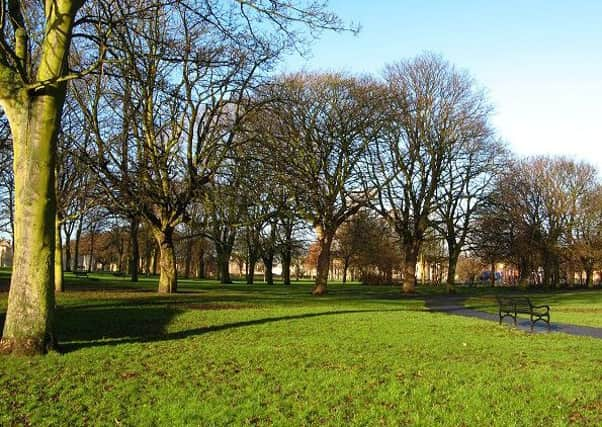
x,y
81,328
84,321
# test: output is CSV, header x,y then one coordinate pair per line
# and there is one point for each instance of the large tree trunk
x,y
251,263
268,264
67,243
59,285
452,262
78,238
168,280
223,250
91,263
201,271
134,249
524,272
589,272
34,118
223,261
570,274
223,253
188,258
325,238
28,328
286,255
155,263
345,268
409,268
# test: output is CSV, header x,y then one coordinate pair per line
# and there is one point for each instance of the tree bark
x,y
452,263
168,280
59,282
223,261
524,272
134,249
91,263
201,271
268,264
156,260
409,268
286,255
78,238
251,270
345,268
223,251
188,258
67,244
28,328
570,275
34,118
325,238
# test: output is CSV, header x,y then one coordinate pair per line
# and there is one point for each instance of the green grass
x,y
259,355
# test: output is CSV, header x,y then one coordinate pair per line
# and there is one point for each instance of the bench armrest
x,y
542,306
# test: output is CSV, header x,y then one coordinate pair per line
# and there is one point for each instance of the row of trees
x,y
161,87
222,153
544,216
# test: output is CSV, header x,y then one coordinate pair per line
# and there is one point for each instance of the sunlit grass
x,y
259,355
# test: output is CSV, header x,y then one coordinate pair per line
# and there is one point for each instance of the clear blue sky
x,y
541,61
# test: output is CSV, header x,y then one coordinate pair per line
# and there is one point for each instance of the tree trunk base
x,y
29,346
408,288
318,290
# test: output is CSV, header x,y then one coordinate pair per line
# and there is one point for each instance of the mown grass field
x,y
257,355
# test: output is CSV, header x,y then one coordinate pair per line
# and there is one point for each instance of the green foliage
x,y
273,355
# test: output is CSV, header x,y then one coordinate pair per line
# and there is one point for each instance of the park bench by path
x,y
81,273
455,306
513,306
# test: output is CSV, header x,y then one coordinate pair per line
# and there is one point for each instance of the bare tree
x,y
433,108
534,217
320,132
473,164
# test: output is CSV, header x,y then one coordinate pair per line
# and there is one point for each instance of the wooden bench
x,y
512,306
80,273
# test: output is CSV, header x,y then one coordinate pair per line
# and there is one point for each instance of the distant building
x,y
6,253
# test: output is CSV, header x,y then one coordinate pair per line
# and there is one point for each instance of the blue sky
x,y
540,61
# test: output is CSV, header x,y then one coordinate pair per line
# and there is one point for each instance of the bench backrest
x,y
514,303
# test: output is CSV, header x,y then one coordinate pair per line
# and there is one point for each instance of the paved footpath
x,y
454,305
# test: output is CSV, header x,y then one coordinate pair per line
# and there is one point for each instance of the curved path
x,y
454,305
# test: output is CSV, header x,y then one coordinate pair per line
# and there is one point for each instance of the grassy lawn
x,y
259,355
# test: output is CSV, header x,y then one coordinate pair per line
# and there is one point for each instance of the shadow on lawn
x,y
84,321
127,325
